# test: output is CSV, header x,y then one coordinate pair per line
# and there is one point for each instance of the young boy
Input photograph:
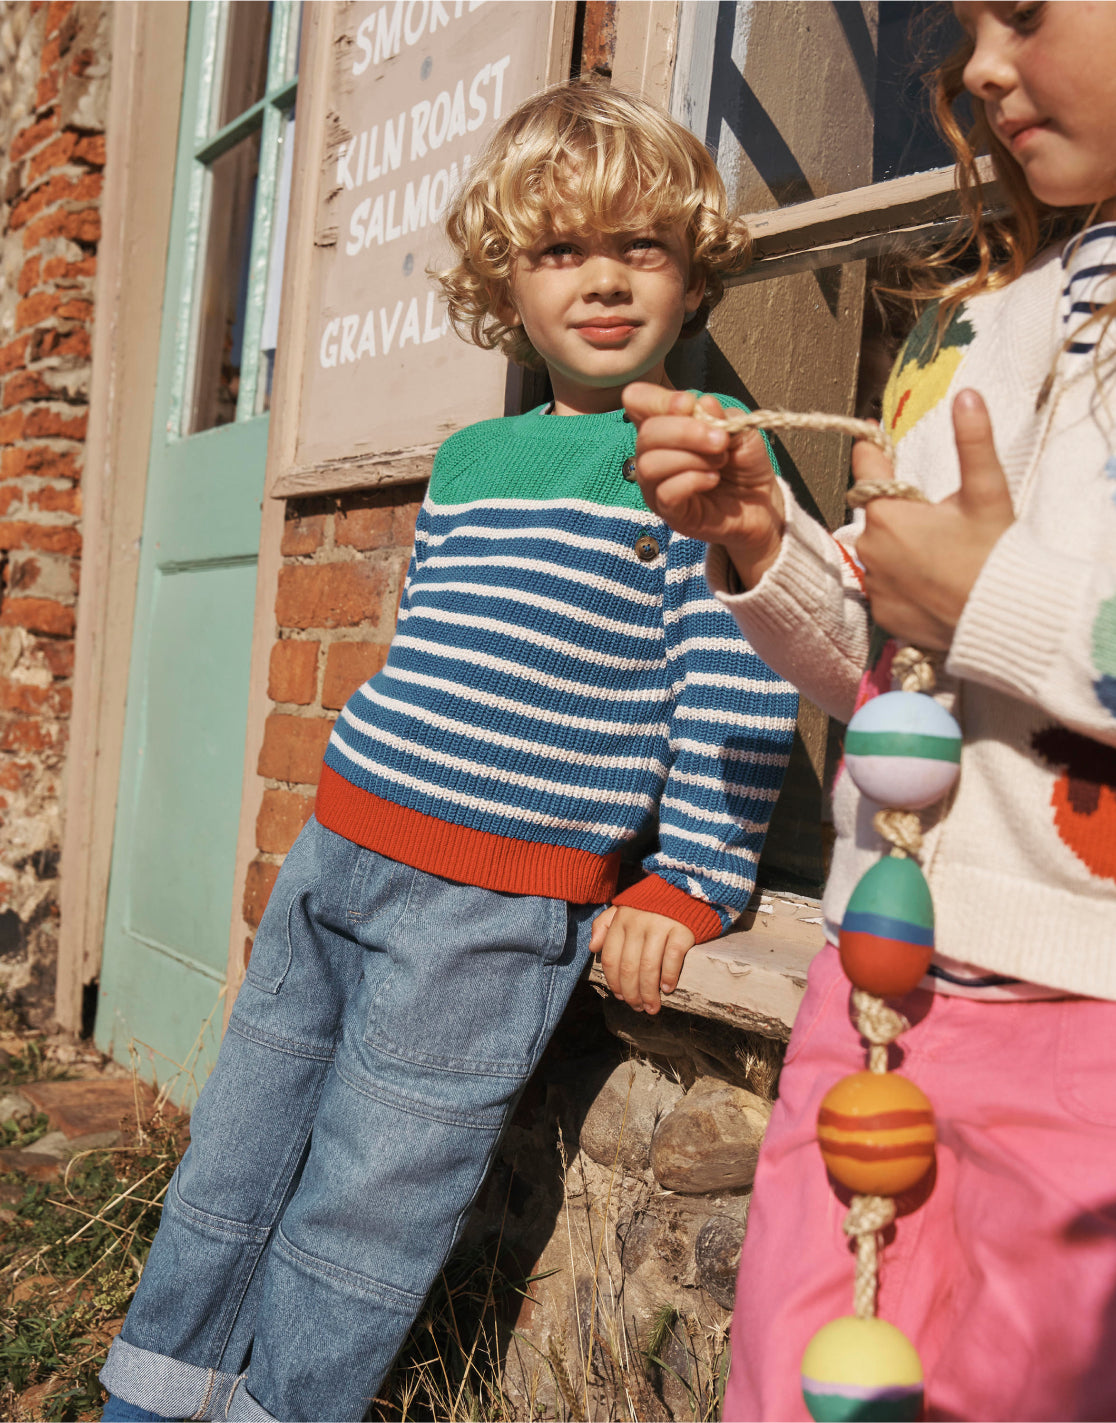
x,y
559,676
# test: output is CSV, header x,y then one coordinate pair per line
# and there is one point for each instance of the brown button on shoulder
x,y
646,548
628,469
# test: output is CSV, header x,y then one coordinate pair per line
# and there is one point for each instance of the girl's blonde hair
x,y
1002,242
599,160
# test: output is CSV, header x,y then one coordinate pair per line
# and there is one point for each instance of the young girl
x,y
1005,1276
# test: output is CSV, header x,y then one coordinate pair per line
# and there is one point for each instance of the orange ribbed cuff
x,y
456,852
661,897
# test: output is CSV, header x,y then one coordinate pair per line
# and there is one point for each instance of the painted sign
x,y
416,89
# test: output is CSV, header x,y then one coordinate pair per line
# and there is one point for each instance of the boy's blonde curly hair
x,y
599,160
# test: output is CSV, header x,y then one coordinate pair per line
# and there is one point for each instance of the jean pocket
x,y
1085,1060
470,979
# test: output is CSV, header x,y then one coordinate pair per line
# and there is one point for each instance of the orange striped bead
x,y
876,1133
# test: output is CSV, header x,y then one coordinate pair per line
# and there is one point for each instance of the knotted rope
x,y
867,1216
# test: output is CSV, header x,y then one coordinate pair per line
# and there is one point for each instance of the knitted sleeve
x,y
730,739
807,616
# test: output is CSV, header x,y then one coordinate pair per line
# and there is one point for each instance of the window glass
x,y
269,336
223,292
247,35
913,37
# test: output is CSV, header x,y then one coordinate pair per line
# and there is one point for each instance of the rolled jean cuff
x,y
167,1386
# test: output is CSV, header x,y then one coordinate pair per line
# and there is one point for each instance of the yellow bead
x,y
861,1369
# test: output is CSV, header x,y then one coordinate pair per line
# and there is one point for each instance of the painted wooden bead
x,y
886,939
861,1369
903,750
876,1133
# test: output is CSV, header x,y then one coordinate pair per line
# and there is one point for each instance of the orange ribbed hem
x,y
661,897
458,853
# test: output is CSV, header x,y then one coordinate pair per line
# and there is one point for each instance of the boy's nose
x,y
604,277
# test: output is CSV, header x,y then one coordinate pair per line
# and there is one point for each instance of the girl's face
x,y
1046,74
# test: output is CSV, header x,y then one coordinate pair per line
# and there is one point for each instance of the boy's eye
x,y
1027,15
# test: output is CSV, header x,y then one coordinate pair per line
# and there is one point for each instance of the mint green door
x,y
170,892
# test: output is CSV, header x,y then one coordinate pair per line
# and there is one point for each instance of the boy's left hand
x,y
921,560
640,952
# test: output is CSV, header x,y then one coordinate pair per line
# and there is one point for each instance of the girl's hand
x,y
921,560
641,952
702,481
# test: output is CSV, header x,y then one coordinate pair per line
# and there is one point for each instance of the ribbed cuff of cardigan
x,y
796,615
1012,632
659,896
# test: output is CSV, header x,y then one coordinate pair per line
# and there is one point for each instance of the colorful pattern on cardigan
x,y
560,676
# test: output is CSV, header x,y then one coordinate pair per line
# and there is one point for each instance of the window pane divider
x,y
861,222
233,132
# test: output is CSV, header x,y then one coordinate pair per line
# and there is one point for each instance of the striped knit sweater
x,y
561,676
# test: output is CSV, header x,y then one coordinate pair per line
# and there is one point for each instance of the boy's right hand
x,y
703,482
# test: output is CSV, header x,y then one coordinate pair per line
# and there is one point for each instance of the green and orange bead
x,y
876,1133
886,939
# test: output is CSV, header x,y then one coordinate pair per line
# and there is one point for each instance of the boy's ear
x,y
695,291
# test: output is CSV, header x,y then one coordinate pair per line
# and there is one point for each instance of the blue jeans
x,y
387,1024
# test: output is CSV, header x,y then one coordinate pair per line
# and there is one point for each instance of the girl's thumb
x,y
983,485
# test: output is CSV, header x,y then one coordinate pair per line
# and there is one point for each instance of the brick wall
x,y
54,61
344,562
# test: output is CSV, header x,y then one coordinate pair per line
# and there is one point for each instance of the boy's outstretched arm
x,y
702,481
640,952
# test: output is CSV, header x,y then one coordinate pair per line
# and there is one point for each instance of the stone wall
x,y
54,74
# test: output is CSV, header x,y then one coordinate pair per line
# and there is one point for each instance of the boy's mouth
x,y
607,331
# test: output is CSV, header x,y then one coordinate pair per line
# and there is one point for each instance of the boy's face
x,y
603,309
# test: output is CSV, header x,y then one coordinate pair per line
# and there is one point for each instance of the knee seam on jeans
x,y
222,1226
417,1108
291,1047
367,1286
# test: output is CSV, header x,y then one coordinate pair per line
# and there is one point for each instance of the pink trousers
x,y
1005,1277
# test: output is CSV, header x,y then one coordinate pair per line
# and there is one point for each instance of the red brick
x,y
14,354
46,91
57,269
39,460
47,538
66,343
22,574
28,276
39,307
58,189
29,734
45,424
42,701
75,308
91,149
282,815
247,949
302,536
56,14
53,155
82,62
56,501
58,656
32,136
329,595
11,427
293,748
25,385
38,615
84,225
258,884
403,524
12,774
365,528
348,664
8,497
293,673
